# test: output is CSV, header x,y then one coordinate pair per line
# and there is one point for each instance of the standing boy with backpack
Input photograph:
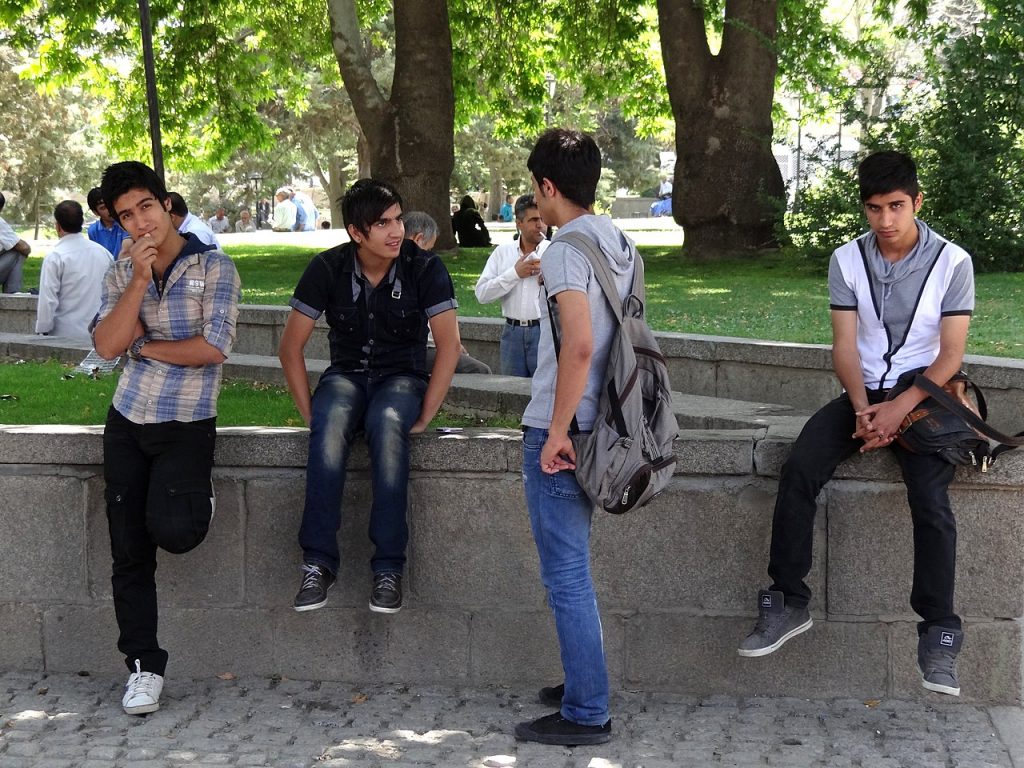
x,y
565,166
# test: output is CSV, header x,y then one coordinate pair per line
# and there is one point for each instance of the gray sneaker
x,y
936,658
776,623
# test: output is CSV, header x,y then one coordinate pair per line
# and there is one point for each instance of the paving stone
x,y
259,723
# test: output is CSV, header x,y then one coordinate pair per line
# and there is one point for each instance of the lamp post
x,y
146,29
549,80
254,182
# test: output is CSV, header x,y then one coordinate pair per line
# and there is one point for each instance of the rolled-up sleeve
x,y
220,302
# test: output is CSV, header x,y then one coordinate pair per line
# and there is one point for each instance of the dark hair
x,y
178,206
466,202
523,204
94,198
69,216
885,172
366,201
571,161
3,201
120,178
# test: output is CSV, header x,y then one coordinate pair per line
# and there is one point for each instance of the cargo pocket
x,y
183,520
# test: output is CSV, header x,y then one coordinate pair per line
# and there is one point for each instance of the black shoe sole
x,y
525,733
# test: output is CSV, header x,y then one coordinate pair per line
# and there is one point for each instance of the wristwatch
x,y
135,350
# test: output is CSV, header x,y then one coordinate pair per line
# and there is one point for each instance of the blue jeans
x,y
343,405
518,350
560,517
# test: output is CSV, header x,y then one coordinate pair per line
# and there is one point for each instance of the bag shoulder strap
x,y
941,396
603,272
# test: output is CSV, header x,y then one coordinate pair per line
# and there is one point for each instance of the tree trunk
x,y
495,195
411,135
336,189
728,193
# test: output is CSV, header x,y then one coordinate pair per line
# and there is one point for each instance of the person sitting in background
x,y
71,278
219,223
245,222
13,252
468,225
506,212
187,222
421,228
107,232
284,211
305,212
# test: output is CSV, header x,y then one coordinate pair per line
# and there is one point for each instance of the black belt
x,y
523,323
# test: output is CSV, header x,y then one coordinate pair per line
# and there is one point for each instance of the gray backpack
x,y
627,459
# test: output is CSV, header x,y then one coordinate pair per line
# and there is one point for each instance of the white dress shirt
x,y
70,284
520,296
199,228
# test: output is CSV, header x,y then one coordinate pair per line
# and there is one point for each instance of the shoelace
x,y
942,662
141,682
388,581
314,573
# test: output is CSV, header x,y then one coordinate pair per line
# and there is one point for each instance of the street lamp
x,y
550,81
255,178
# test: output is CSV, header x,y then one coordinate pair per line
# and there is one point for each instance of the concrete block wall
x,y
677,580
797,375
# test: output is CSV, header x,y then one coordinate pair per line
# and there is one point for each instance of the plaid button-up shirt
x,y
200,298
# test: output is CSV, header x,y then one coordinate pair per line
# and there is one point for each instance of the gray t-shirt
x,y
566,269
896,287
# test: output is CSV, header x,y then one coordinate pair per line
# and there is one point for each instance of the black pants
x,y
159,494
823,444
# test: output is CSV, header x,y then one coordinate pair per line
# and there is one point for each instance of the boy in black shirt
x,y
380,292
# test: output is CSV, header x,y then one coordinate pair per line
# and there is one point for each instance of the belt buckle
x,y
523,323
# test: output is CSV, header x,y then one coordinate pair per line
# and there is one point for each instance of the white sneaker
x,y
142,692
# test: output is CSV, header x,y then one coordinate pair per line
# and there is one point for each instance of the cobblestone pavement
x,y
63,721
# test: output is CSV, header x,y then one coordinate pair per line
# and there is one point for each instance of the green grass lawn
x,y
54,393
780,296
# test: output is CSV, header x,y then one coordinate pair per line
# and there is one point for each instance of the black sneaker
x,y
936,658
386,596
312,594
552,696
776,623
555,729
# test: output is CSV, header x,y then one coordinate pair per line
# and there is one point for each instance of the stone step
x,y
479,395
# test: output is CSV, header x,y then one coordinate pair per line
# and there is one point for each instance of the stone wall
x,y
796,375
677,580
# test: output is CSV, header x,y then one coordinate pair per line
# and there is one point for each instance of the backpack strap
x,y
599,263
1006,442
604,275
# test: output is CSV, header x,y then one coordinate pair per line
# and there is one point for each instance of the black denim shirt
x,y
378,330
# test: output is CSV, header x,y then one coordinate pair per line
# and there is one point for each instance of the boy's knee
x,y
179,516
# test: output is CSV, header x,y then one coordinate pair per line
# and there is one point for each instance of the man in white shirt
x,y
13,251
245,222
184,221
512,275
71,279
284,211
219,223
